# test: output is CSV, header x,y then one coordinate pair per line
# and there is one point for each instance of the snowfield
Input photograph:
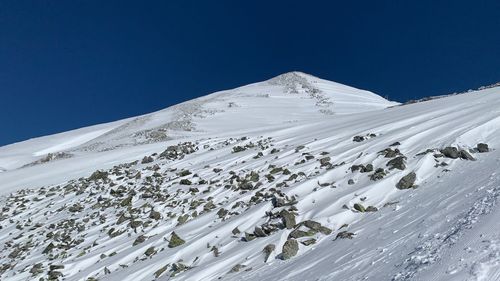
x,y
294,178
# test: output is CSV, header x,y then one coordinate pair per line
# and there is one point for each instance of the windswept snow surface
x,y
253,158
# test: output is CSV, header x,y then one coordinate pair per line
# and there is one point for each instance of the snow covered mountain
x,y
294,178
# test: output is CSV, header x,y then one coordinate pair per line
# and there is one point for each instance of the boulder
x,y
175,241
297,233
397,163
154,215
150,251
324,161
358,138
185,182
308,242
360,208
290,249
268,250
407,181
368,168
147,159
288,219
482,148
450,152
98,175
140,239
466,155
236,231
378,175
344,235
222,213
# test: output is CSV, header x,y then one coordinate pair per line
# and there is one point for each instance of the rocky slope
x,y
324,182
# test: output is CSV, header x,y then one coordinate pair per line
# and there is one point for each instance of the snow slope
x,y
281,161
289,98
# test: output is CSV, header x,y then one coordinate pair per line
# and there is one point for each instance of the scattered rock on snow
x,y
290,249
407,181
482,147
175,241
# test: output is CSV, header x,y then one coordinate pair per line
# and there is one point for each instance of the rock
x,y
308,242
358,138
178,268
185,182
288,219
140,239
126,202
215,250
237,149
222,213
290,249
299,148
297,233
268,250
378,175
154,215
246,186
355,168
360,208
450,152
209,206
407,181
56,267
160,271
236,231
249,237
390,153
147,159
150,251
276,170
371,209
368,168
397,163
466,155
182,219
395,144
36,269
278,202
324,161
482,148
316,226
175,241
54,275
311,224
236,268
48,249
325,230
350,182
258,232
98,175
344,235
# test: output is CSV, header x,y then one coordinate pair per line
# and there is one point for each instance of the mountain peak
x,y
292,76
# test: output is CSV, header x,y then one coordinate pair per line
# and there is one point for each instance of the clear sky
x,y
69,64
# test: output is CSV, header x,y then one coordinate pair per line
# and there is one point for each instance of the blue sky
x,y
69,64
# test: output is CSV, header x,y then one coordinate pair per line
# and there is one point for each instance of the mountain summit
x,y
293,97
293,178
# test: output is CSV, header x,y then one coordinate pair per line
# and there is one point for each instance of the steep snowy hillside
x,y
289,98
294,178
